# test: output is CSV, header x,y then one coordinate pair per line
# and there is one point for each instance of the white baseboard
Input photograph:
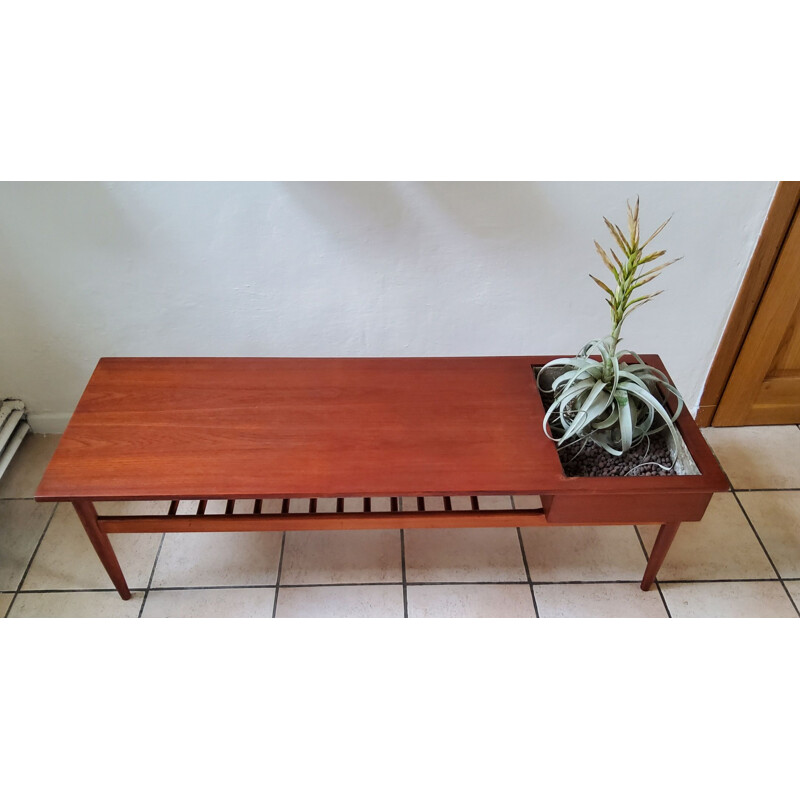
x,y
48,423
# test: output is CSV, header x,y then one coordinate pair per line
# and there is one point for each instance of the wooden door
x,y
764,386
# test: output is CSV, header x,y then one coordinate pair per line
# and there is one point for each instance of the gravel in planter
x,y
594,462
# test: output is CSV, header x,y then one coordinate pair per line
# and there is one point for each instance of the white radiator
x,y
13,428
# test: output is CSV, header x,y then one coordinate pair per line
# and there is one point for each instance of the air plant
x,y
613,400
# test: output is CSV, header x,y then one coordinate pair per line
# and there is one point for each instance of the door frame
x,y
785,204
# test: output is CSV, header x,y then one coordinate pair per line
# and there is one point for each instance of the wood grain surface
x,y
244,427
179,428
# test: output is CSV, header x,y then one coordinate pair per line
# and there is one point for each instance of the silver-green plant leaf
x,y
605,395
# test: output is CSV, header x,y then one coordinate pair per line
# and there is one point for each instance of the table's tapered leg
x,y
666,533
88,516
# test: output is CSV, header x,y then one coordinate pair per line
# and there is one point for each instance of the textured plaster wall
x,y
348,269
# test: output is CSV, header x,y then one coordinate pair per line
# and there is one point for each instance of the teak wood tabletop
x,y
265,428
167,428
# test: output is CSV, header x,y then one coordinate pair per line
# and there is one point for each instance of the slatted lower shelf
x,y
340,505
331,513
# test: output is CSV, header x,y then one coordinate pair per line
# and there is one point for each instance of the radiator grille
x,y
13,429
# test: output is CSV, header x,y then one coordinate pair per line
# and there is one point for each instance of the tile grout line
x,y
528,573
30,560
525,563
278,576
721,580
766,553
777,489
112,590
403,571
152,572
619,582
655,580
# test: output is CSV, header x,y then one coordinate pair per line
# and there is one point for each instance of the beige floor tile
x,y
461,503
471,600
597,600
353,505
77,604
409,503
66,559
5,602
342,557
728,599
186,507
794,591
776,517
763,457
340,601
380,503
132,508
721,545
216,507
525,501
585,553
225,558
207,603
21,525
433,503
28,465
463,555
494,502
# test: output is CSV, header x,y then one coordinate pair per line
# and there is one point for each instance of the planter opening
x,y
656,455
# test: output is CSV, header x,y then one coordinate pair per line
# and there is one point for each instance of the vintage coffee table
x,y
340,443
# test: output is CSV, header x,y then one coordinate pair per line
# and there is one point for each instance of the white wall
x,y
348,269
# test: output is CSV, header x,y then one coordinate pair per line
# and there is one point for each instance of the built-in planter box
x,y
641,499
